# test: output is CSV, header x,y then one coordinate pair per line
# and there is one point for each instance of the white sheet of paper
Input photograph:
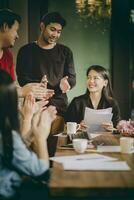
x,y
96,165
108,148
81,157
106,110
94,118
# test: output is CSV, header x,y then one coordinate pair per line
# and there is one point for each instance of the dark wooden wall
x,y
36,9
3,3
120,54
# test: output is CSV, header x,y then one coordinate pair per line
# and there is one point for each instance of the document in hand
x,y
94,118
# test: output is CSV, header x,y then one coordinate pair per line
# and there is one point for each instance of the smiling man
x,y
46,57
9,25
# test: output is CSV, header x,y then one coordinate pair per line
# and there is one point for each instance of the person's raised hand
x,y
64,84
27,109
42,122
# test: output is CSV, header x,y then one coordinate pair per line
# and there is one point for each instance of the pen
x,y
88,158
101,144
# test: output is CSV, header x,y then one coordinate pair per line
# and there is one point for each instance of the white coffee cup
x,y
72,127
80,145
127,144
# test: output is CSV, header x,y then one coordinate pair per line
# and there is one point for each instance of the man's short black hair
x,y
53,17
9,17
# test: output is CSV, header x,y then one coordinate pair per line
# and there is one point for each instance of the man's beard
x,y
50,40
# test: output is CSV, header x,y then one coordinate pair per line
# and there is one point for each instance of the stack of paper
x,y
82,157
94,118
91,162
94,166
101,148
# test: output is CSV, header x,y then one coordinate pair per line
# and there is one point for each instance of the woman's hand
x,y
40,106
27,112
27,109
41,128
107,126
83,126
41,125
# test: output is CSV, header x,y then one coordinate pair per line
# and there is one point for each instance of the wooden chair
x,y
57,127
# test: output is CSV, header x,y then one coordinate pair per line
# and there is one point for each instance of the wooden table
x,y
93,184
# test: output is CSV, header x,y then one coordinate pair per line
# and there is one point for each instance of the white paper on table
x,y
108,148
83,157
94,119
96,165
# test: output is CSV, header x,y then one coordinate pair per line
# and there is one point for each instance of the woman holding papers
x,y
98,95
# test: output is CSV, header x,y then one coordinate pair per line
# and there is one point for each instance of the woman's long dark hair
x,y
8,114
107,91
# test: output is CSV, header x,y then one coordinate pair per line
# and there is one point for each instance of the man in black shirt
x,y
46,57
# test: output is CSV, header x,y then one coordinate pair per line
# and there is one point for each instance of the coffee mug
x,y
127,144
72,127
80,145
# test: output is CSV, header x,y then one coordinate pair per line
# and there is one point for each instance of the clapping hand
x,y
64,85
42,122
27,109
48,92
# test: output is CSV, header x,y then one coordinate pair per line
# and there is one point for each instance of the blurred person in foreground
x,y
16,159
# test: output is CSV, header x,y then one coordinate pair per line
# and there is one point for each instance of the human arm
x,y
8,63
39,92
29,108
116,113
12,73
111,126
25,160
41,129
34,163
74,112
69,79
26,114
64,84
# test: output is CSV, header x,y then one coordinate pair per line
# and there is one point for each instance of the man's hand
x,y
64,85
44,81
38,91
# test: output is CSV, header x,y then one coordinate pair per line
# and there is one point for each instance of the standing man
x,y
46,57
9,25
